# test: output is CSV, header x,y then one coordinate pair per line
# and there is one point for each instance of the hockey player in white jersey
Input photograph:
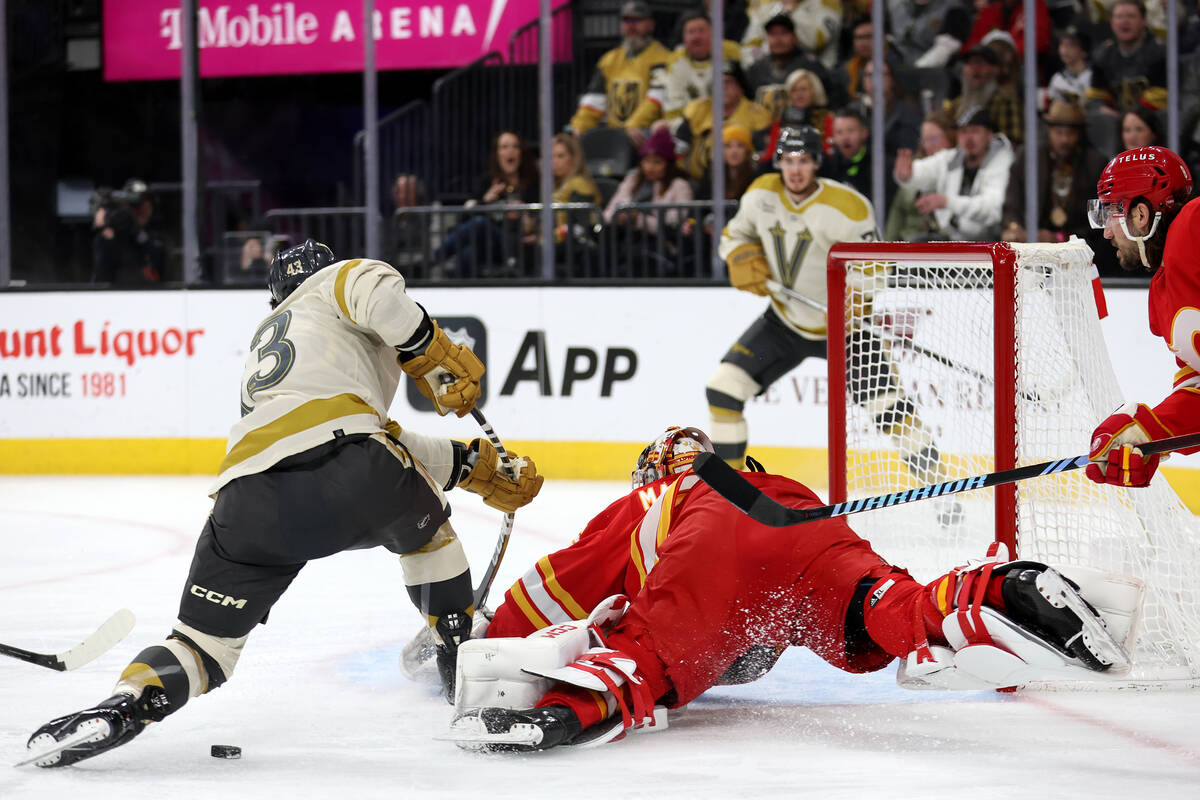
x,y
314,467
780,237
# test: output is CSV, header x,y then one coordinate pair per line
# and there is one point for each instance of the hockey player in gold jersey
x,y
779,240
314,467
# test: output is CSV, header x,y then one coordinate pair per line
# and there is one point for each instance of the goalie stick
x,y
752,501
107,635
420,649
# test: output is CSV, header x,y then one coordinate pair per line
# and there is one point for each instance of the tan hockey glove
x,y
488,479
447,373
748,268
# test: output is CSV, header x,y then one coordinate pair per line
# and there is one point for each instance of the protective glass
x,y
1100,212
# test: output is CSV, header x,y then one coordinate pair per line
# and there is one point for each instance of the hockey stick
x,y
489,575
420,649
752,501
890,338
107,635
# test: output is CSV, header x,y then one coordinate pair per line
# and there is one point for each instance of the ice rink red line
x,y
183,541
1111,726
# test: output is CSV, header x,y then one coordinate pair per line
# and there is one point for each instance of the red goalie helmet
x,y
671,453
1154,173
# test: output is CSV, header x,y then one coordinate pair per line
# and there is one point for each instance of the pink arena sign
x,y
142,38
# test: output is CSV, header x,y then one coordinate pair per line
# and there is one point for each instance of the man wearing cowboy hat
x,y
1068,168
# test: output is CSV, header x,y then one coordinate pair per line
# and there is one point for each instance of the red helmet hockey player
x,y
681,587
1143,206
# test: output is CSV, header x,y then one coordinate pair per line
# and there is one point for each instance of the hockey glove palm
x,y
447,373
488,479
748,269
1114,454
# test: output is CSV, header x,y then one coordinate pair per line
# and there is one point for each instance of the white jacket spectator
x,y
963,187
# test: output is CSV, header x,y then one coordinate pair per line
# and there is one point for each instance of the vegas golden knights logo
x,y
624,97
789,266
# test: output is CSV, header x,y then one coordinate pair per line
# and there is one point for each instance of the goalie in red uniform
x,y
714,597
1143,206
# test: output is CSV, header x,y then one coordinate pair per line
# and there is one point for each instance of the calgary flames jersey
x,y
323,361
1175,316
797,239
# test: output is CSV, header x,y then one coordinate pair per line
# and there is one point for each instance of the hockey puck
x,y
225,751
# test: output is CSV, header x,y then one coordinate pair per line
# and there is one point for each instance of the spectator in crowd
x,y
1067,171
695,133
1070,84
491,238
902,117
687,77
904,222
127,247
963,187
928,33
623,74
767,77
735,16
253,261
1009,16
1140,127
850,161
1099,12
408,233
982,89
861,51
572,184
1130,68
656,179
808,104
818,25
740,170
1010,65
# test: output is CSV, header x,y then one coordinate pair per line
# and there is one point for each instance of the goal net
x,y
959,359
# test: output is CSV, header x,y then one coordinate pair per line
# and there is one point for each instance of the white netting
x,y
929,326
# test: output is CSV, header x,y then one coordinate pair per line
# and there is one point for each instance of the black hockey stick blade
x,y
752,501
112,631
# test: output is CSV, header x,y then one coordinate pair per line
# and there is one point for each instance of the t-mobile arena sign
x,y
143,39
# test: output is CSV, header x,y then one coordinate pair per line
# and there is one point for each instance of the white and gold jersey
x,y
796,240
323,361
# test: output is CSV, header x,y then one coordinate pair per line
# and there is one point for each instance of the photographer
x,y
124,248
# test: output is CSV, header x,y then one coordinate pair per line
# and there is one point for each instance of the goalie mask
x,y
1154,175
671,453
293,266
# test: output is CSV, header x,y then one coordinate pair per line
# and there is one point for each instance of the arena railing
x,y
343,228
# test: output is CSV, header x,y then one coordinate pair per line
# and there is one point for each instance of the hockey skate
x,y
506,730
449,632
1049,604
87,733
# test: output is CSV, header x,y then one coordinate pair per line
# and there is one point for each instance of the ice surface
x,y
320,709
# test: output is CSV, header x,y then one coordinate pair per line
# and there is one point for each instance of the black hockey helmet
x,y
798,139
293,266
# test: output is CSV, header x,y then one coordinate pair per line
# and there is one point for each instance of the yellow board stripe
x,y
555,590
306,416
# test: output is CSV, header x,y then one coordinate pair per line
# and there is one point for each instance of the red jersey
x,y
705,581
1175,317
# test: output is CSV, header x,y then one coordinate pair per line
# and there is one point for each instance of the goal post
x,y
948,360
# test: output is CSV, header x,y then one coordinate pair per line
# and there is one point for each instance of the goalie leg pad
x,y
507,672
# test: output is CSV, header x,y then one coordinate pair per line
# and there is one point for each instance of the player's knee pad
x,y
730,387
440,559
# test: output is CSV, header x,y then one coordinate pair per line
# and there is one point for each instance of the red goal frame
x,y
1003,260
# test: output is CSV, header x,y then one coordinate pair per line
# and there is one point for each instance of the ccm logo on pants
x,y
217,597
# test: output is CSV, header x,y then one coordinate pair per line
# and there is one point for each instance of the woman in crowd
x,y
488,239
808,104
572,182
904,222
1140,127
656,179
